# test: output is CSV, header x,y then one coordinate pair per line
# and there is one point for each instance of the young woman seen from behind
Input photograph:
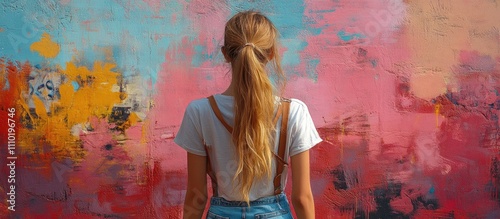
x,y
244,136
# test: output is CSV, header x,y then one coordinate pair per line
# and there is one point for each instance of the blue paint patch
x,y
201,55
18,35
75,84
310,22
137,36
325,10
311,69
452,97
374,63
432,190
198,57
348,37
292,56
315,31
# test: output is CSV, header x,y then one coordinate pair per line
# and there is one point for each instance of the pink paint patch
x,y
175,80
154,4
177,86
346,80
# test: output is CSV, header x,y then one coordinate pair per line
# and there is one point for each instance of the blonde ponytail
x,y
250,42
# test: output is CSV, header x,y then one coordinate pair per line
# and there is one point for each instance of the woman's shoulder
x,y
200,102
203,104
197,105
296,104
298,109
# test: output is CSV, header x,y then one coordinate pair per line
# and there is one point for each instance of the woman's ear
x,y
224,52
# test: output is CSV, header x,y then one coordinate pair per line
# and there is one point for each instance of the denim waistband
x,y
219,201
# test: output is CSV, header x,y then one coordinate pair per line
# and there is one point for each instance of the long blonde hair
x,y
250,43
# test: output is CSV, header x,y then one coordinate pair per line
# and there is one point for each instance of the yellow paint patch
x,y
133,119
144,132
95,97
46,47
40,110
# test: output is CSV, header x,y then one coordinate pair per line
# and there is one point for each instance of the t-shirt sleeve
x,y
303,134
189,135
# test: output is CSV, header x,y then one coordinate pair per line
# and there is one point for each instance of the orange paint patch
x,y
40,108
133,119
427,85
46,47
438,30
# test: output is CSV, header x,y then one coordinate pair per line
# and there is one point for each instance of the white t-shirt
x,y
201,127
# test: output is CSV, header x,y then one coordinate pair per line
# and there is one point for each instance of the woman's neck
x,y
230,90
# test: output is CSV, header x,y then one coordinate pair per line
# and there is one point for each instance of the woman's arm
x,y
196,193
302,198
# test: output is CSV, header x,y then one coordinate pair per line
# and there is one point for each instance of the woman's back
x,y
203,128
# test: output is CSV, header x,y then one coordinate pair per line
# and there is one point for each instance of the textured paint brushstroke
x,y
46,47
437,29
96,96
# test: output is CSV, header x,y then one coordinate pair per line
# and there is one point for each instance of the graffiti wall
x,y
405,95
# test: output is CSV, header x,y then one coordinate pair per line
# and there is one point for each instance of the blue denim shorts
x,y
275,206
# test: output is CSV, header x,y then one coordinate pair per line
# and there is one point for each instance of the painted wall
x,y
405,94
